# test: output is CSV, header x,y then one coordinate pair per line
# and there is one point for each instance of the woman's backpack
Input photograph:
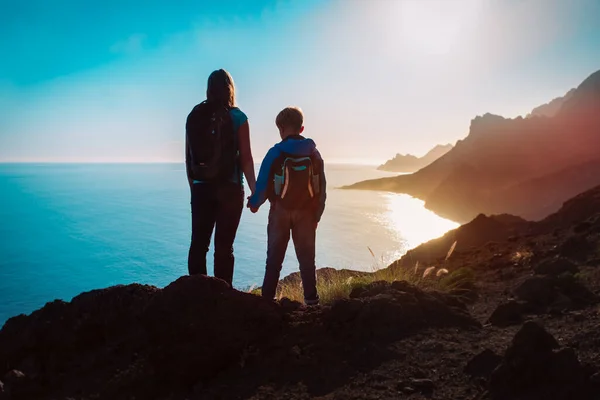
x,y
212,143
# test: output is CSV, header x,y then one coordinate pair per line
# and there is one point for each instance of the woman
x,y
217,154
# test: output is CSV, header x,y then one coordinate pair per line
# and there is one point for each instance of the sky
x,y
113,81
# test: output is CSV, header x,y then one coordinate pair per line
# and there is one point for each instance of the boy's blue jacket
x,y
294,145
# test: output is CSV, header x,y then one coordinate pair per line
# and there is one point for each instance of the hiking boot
x,y
311,302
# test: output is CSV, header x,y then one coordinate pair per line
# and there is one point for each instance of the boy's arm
x,y
323,187
262,183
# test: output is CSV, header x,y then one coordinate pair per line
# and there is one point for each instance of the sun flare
x,y
434,26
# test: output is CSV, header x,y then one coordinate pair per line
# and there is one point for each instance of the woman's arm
x,y
246,160
188,162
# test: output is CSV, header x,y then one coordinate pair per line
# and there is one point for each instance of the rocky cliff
x,y
523,166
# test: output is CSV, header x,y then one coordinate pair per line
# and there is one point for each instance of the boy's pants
x,y
302,225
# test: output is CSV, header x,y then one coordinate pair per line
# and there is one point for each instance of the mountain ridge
x,y
551,108
500,155
411,163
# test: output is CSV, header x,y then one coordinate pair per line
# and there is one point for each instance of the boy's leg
x,y
203,223
304,237
229,211
278,233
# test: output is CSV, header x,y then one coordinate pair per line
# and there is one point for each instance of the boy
x,y
292,178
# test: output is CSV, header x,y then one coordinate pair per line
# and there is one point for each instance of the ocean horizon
x,y
72,227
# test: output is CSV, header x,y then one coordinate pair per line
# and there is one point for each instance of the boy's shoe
x,y
313,302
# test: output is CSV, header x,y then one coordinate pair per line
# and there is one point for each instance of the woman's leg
x,y
229,212
204,208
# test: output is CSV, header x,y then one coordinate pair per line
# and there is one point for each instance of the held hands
x,y
252,209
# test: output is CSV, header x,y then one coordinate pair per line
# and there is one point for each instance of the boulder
x,y
555,294
13,377
532,338
483,364
561,304
577,248
556,266
198,326
507,314
15,381
533,367
582,227
579,294
537,290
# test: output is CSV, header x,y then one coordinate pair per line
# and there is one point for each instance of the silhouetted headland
x,y
523,166
410,163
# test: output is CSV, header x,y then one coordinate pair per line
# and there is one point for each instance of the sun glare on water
x,y
411,221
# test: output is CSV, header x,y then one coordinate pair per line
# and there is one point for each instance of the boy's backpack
x,y
296,181
213,147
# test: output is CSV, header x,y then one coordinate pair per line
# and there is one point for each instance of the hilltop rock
x,y
93,336
125,336
531,368
140,341
198,327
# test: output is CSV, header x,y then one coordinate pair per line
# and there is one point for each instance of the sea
x,y
69,228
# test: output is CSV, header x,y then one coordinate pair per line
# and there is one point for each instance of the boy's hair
x,y
290,117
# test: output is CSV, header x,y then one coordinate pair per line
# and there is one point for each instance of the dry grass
x,y
522,256
334,287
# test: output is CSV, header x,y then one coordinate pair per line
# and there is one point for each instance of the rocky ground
x,y
526,326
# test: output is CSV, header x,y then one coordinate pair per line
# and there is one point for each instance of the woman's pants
x,y
215,207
